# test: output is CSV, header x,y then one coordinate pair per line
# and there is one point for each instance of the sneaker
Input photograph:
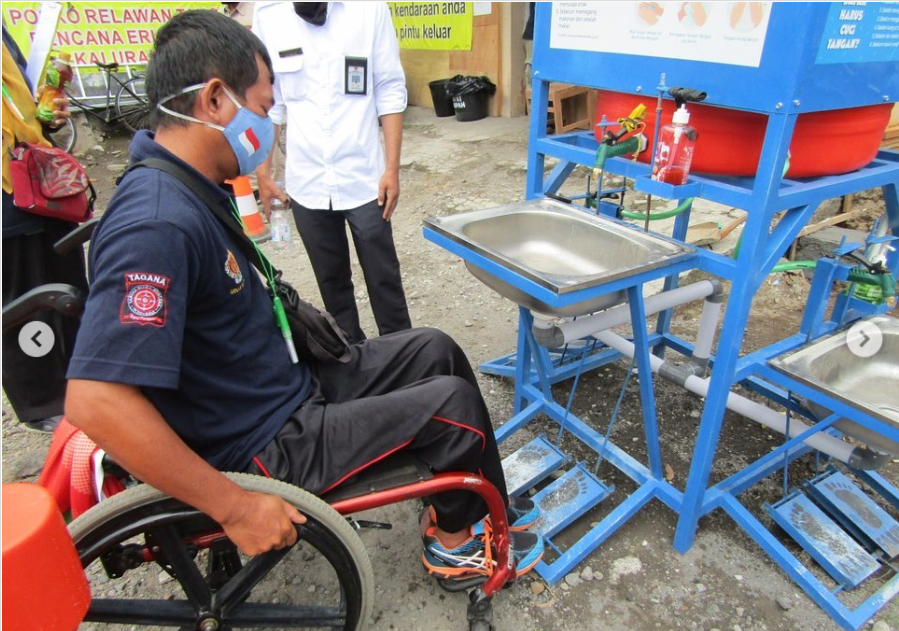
x,y
475,556
521,514
42,426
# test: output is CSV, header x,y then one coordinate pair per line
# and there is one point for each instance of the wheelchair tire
x,y
122,531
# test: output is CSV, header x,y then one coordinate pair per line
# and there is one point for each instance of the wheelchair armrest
x,y
79,236
397,470
65,299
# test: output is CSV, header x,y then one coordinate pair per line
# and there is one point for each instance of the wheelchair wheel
x,y
173,567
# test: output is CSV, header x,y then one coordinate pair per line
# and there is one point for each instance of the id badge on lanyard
x,y
356,75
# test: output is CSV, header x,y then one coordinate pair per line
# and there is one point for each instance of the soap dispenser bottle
x,y
674,152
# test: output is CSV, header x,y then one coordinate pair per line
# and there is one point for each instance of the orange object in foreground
x,y
249,209
44,586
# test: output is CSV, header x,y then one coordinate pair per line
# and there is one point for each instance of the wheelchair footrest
x,y
461,584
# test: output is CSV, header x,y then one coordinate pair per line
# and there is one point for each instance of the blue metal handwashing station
x,y
794,58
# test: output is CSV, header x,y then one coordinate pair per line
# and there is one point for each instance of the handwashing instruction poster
x,y
720,32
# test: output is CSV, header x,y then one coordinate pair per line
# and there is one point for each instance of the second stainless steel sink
x,y
560,247
870,384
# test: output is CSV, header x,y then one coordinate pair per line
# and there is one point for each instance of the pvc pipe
x,y
582,327
708,325
822,442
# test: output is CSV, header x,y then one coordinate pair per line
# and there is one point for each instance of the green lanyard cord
x,y
277,306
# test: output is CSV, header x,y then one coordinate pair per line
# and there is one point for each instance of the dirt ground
x,y
635,581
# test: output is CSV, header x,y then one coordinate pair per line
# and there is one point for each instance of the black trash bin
x,y
443,102
470,96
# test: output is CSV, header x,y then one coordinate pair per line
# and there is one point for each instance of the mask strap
x,y
191,119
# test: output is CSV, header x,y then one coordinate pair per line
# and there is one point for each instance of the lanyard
x,y
277,305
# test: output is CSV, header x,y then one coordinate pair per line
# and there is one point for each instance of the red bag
x,y
49,182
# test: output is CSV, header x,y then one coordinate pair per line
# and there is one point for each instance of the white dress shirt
x,y
334,153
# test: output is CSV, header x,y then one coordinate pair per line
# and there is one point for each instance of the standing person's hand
x,y
388,192
258,523
268,190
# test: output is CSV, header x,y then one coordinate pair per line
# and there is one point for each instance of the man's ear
x,y
212,104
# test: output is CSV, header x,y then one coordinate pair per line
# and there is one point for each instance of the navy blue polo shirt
x,y
177,309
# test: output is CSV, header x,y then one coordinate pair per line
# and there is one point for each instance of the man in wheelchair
x,y
180,372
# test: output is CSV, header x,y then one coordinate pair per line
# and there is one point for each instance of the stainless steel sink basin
x,y
560,247
869,384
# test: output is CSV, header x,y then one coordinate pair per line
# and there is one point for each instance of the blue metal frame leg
x,y
774,153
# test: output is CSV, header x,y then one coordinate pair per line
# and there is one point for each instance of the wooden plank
x,y
832,221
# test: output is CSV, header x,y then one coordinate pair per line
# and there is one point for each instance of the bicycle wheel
x,y
132,107
65,136
329,584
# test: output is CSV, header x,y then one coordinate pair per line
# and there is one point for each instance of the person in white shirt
x,y
241,12
337,74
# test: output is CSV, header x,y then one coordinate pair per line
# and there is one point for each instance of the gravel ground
x,y
635,581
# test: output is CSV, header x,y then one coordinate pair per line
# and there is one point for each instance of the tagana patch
x,y
144,301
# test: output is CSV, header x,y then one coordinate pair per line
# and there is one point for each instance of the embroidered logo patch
x,y
232,269
144,299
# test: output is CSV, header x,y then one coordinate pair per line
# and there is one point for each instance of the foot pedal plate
x,y
838,553
566,499
856,512
530,464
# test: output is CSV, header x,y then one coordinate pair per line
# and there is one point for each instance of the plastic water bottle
x,y
279,224
57,76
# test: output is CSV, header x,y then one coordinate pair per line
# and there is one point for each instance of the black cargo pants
x,y
412,390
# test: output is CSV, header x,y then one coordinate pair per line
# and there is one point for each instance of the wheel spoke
x,y
142,612
186,571
263,615
240,586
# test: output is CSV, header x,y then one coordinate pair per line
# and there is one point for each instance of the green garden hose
x,y
788,266
665,214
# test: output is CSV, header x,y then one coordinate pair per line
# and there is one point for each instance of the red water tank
x,y
44,586
730,141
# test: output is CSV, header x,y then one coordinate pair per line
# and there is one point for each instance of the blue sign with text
x,y
857,32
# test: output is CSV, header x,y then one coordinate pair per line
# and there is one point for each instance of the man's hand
x,y
268,191
388,192
258,523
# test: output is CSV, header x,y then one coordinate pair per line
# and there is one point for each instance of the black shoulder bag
x,y
316,335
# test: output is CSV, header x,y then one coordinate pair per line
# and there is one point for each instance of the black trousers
x,y
412,390
36,386
324,236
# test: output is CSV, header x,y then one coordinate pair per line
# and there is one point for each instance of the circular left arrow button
x,y
36,339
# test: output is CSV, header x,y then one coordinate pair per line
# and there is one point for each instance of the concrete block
x,y
823,242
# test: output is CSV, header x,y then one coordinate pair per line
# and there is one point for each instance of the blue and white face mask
x,y
249,134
